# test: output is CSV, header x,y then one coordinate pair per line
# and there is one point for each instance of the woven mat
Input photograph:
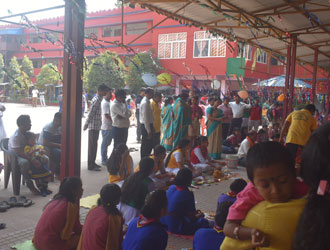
x,y
26,245
89,201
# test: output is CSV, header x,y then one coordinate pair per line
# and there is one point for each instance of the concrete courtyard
x,y
21,221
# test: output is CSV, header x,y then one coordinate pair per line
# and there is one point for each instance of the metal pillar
x,y
122,21
292,71
72,87
287,78
316,54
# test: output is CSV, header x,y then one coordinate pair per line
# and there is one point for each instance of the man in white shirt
x,y
106,127
35,93
238,108
246,144
146,120
120,115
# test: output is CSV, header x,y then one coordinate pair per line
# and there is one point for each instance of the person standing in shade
x,y
35,93
137,114
156,109
93,123
297,128
228,116
182,119
42,98
120,115
238,108
106,127
255,116
147,120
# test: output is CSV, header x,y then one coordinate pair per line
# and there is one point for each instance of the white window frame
x,y
246,51
171,43
262,57
209,39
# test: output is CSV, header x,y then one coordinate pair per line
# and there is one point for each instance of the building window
x,y
91,32
277,60
261,56
206,45
22,39
245,50
52,61
37,64
111,31
52,36
136,28
172,45
35,39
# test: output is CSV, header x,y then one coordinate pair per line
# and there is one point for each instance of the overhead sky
x,y
19,6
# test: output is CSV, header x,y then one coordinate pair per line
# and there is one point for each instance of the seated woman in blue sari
x,y
183,218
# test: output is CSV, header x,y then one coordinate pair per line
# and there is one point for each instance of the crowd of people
x,y
287,166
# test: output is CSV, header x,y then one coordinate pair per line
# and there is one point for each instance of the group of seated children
x,y
263,213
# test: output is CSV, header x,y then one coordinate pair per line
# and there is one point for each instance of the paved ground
x,y
21,221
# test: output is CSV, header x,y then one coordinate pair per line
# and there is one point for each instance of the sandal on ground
x,y
4,206
2,226
12,201
23,202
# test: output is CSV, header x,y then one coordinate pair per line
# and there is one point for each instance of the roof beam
x,y
275,13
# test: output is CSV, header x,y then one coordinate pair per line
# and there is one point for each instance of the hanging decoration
x,y
164,78
149,79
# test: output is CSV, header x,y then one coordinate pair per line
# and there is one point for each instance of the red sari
x,y
52,233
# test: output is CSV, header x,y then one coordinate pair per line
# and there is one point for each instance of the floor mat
x,y
27,245
89,201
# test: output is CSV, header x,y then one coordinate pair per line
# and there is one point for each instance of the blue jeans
x,y
106,141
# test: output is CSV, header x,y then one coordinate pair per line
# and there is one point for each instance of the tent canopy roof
x,y
267,24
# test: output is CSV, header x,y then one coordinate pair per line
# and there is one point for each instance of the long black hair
x,y
109,198
134,189
199,140
113,163
154,203
313,228
182,143
168,101
68,188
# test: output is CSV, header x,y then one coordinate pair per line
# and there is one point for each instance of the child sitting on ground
x,y
271,171
200,158
120,165
212,238
39,167
232,142
275,129
160,177
146,232
179,158
262,136
135,190
103,225
235,187
276,137
182,217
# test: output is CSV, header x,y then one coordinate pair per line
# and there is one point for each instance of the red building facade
x,y
187,53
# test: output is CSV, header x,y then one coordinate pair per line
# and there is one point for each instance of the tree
x,y
49,74
14,74
2,65
27,66
141,63
107,68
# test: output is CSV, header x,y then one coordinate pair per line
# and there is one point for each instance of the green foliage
x,y
2,65
143,63
27,66
48,75
107,68
14,72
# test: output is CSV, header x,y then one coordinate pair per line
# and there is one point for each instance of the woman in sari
x,y
214,130
167,126
182,119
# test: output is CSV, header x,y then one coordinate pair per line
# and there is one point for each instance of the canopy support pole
x,y
316,54
292,71
287,78
72,87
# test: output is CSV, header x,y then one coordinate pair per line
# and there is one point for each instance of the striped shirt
x,y
94,118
